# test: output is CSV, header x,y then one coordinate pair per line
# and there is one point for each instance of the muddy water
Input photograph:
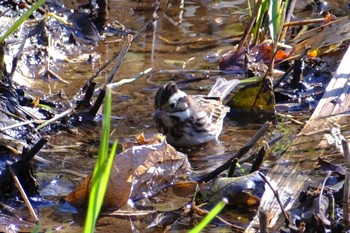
x,y
171,44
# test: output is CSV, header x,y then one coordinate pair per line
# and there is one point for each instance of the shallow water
x,y
133,103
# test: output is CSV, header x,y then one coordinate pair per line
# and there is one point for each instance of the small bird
x,y
191,120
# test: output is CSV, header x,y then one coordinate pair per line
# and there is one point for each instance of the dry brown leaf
x,y
141,138
139,171
79,196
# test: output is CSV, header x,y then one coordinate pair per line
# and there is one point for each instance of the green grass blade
x,y
106,124
22,19
250,80
249,8
263,8
275,18
207,219
101,173
105,178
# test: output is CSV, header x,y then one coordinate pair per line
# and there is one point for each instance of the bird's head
x,y
170,101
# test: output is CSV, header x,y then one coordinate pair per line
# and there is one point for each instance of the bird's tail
x,y
222,87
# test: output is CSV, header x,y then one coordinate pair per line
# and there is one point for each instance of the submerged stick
x,y
269,144
258,160
231,171
238,154
119,59
12,170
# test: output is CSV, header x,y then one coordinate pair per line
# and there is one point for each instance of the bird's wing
x,y
209,107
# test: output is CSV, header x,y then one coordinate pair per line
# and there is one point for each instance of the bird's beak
x,y
182,105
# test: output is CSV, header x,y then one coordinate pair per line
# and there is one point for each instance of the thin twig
x,y
41,159
111,74
23,194
119,59
92,78
322,188
303,22
12,150
203,72
277,197
12,115
55,118
204,212
17,125
290,117
6,209
129,80
328,174
56,76
75,173
289,14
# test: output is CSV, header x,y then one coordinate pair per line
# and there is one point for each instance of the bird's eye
x,y
172,105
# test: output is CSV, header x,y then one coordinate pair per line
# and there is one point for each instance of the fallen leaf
x,y
254,102
138,172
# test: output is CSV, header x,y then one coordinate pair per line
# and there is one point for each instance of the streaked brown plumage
x,y
190,120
